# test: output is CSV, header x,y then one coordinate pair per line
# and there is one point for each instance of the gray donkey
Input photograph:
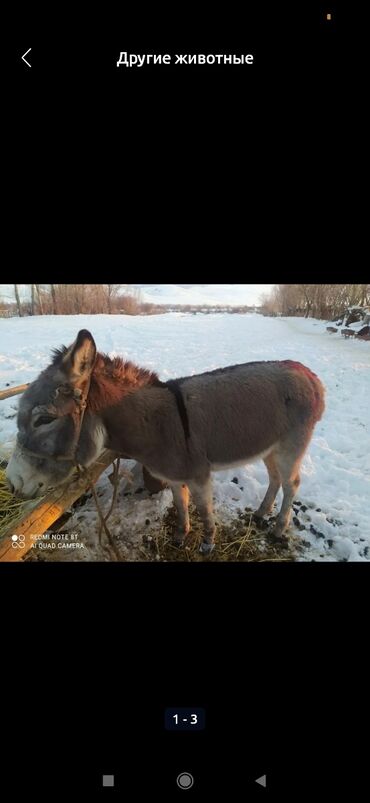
x,y
181,430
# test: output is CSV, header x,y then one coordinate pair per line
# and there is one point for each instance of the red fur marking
x,y
298,366
112,379
318,391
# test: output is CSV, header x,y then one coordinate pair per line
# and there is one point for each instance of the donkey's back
x,y
238,412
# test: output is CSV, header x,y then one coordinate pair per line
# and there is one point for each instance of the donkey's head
x,y
50,437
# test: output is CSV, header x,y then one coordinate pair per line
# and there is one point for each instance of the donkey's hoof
x,y
179,538
261,522
206,548
261,513
278,537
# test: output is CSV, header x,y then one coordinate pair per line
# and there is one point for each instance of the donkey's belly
x,y
242,461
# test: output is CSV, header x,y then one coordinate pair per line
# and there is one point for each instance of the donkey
x,y
181,430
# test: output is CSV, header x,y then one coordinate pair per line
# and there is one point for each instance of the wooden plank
x,y
48,510
6,394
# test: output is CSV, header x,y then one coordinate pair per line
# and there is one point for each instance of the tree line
x,y
324,301
76,299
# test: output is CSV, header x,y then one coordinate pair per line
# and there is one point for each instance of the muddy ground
x,y
142,527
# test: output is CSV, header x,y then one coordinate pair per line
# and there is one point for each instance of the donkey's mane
x,y
58,355
112,379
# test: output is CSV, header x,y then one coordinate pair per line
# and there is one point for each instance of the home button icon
x,y
185,780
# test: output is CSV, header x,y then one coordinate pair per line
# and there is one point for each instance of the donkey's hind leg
x,y
202,496
275,482
288,465
181,499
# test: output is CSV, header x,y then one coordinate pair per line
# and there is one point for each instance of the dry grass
x,y
241,540
12,510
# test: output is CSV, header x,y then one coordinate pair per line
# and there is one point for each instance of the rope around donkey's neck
x,y
103,519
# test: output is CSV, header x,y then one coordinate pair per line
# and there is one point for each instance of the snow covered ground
x,y
335,489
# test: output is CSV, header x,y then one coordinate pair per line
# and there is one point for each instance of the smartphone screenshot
x,y
184,470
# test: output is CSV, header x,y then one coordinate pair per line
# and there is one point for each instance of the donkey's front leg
x,y
202,496
181,499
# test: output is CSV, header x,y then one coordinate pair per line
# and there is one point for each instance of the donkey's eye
x,y
44,419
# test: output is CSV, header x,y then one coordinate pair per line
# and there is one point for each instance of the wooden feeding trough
x,y
47,510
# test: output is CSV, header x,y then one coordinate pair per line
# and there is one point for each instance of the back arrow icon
x,y
26,54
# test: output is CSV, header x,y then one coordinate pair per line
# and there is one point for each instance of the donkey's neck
x,y
113,379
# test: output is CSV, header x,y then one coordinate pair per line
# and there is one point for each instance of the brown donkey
x,y
181,430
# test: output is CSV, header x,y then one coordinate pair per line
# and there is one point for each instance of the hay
x,y
241,540
12,510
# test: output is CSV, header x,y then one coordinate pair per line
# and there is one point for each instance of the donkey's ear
x,y
79,360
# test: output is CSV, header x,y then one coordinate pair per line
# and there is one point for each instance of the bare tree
x,y
365,294
111,291
74,296
54,299
39,300
18,300
32,299
308,294
269,303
